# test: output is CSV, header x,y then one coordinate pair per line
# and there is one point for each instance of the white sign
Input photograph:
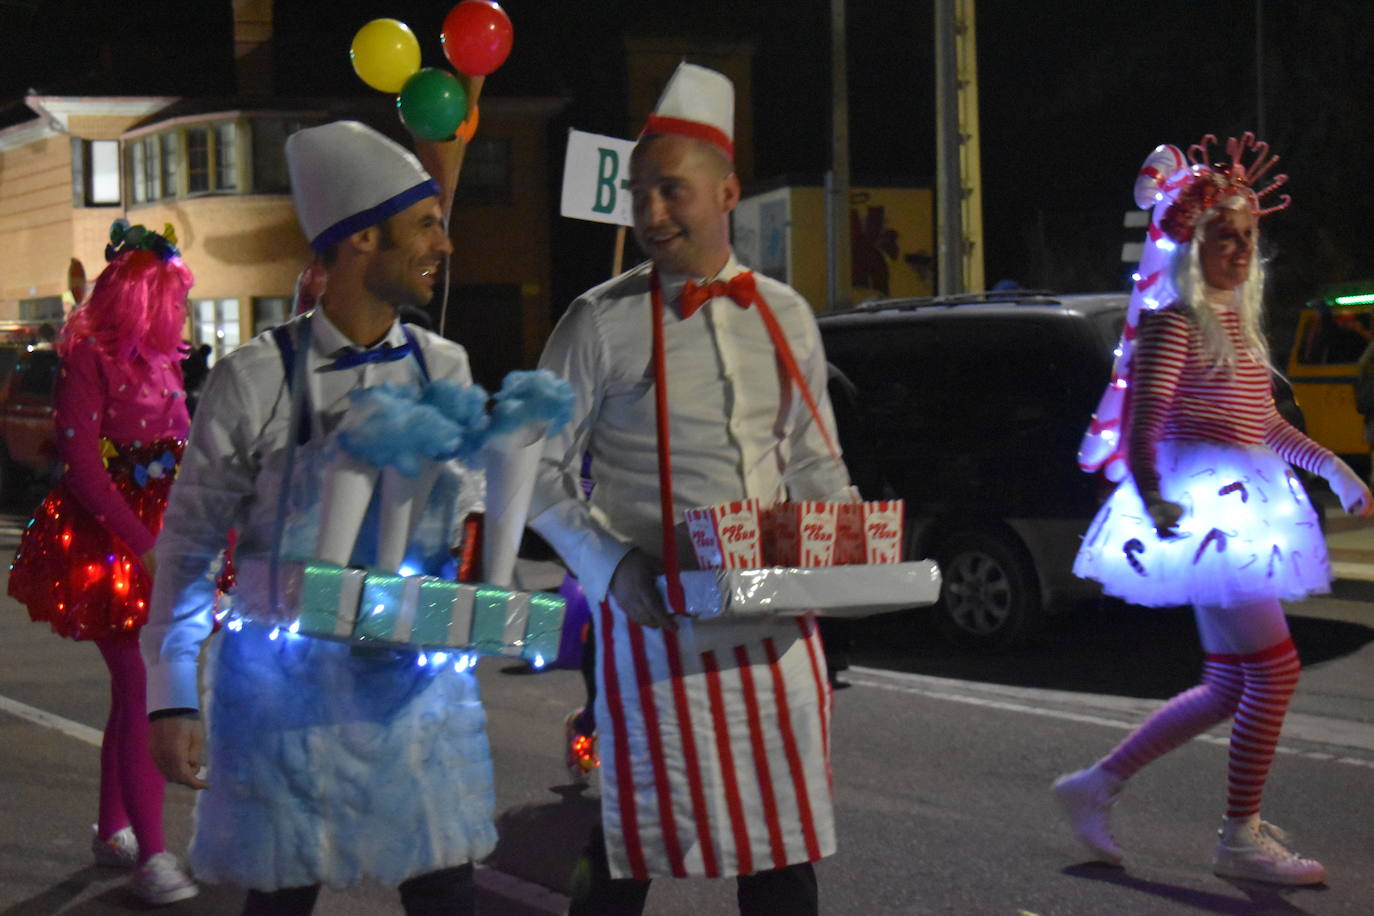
x,y
596,179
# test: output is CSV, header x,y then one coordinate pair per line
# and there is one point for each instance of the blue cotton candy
x,y
465,406
391,428
527,398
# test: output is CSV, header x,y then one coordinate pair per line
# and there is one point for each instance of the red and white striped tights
x,y
1254,687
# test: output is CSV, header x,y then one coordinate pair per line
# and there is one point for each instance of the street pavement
x,y
941,767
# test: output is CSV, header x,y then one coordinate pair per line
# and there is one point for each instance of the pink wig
x,y
137,309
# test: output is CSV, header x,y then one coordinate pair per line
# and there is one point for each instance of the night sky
x,y
1074,94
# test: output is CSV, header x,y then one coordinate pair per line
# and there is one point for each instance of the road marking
x,y
947,689
92,736
535,897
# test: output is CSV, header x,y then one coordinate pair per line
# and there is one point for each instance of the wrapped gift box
x,y
319,598
376,606
833,591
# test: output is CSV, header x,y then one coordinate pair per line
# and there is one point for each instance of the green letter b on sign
x,y
607,170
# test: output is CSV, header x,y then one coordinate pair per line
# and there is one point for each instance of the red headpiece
x,y
1208,183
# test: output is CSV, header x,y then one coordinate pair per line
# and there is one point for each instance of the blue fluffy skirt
x,y
330,766
1248,532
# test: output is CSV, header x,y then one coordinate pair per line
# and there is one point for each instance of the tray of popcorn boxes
x,y
837,559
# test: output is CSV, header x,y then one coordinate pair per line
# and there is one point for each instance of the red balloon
x,y
477,37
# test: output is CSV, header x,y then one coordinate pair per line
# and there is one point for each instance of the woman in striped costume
x,y
1210,514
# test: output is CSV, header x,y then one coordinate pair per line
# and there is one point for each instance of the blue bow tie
x,y
386,353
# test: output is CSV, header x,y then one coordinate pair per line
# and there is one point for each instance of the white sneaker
x,y
120,850
1086,798
1255,849
161,880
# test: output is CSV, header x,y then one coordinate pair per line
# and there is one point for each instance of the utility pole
x,y
958,172
839,256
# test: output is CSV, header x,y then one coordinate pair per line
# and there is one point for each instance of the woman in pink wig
x,y
85,563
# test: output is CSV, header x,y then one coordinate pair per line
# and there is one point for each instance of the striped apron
x,y
715,758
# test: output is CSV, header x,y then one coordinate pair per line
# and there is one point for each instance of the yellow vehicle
x,y
1332,333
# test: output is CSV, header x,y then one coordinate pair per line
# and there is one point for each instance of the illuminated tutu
x,y
72,572
1248,531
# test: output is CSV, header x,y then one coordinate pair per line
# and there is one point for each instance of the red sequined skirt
x,y
72,572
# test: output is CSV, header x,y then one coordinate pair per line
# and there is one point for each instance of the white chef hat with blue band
x,y
345,177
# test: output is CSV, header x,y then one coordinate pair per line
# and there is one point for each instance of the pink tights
x,y
131,787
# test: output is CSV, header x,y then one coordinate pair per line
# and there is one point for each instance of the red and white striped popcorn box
x,y
728,536
850,546
781,537
882,525
806,534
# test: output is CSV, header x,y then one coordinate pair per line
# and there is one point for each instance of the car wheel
x,y
989,592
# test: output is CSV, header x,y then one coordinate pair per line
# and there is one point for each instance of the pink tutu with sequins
x,y
72,572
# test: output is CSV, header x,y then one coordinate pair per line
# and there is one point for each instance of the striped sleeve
x,y
1160,354
1292,445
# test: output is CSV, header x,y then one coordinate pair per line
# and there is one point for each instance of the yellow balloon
x,y
385,54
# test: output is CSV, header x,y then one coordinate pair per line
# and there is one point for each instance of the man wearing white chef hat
x,y
323,765
714,735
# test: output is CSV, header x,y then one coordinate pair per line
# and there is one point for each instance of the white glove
x,y
1348,487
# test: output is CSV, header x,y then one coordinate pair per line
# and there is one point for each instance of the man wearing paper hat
x,y
682,706
323,765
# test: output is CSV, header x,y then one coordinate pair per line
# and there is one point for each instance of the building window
x,y
152,173
215,322
170,144
43,308
269,311
486,172
226,156
269,153
95,173
137,178
197,160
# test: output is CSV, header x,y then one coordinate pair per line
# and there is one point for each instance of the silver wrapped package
x,y
833,591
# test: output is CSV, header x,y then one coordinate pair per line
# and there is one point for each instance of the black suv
x,y
972,408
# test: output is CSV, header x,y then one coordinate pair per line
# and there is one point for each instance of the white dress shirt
x,y
231,475
738,427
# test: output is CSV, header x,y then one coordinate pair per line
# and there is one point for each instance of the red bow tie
x,y
740,288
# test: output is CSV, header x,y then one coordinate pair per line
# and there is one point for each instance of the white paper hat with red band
x,y
697,103
345,177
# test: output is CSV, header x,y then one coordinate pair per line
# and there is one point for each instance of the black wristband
x,y
174,712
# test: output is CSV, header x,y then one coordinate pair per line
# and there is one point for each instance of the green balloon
x,y
432,104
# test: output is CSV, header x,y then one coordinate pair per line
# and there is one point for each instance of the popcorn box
x,y
805,534
728,536
784,536
882,523
850,547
